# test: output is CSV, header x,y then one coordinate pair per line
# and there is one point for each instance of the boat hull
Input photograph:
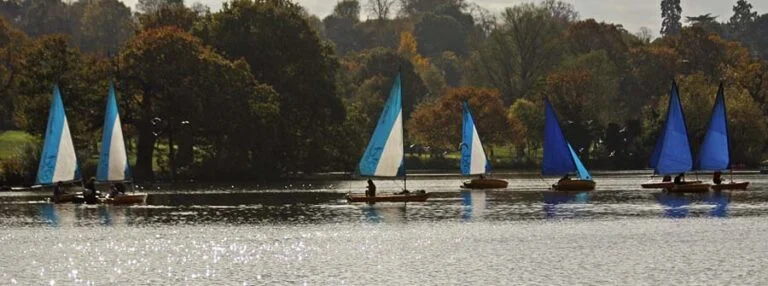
x,y
731,186
574,185
689,188
410,197
665,185
126,199
485,184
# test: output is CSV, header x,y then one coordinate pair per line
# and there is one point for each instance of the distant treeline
x,y
262,89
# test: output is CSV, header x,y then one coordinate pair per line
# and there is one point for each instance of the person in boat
x,y
57,192
679,179
482,176
117,189
667,178
90,195
564,178
371,189
716,177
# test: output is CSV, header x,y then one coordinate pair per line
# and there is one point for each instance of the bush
x,y
21,168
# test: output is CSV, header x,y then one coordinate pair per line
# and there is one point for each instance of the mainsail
x,y
473,159
714,153
384,155
559,156
113,160
58,161
672,153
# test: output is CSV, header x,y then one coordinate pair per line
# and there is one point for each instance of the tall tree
x,y
380,9
520,50
299,66
106,25
743,16
671,14
340,26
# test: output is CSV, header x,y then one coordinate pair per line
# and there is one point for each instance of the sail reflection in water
x,y
49,215
474,204
554,201
678,205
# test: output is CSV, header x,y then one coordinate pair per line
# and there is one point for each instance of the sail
x,y
473,160
672,155
558,158
384,155
58,162
580,169
113,160
714,153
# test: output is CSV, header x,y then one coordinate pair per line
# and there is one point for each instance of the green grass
x,y
12,141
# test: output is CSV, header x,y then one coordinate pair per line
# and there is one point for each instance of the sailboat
x,y
672,153
714,154
385,154
58,161
473,159
560,158
113,161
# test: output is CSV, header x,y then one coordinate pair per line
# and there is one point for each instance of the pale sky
x,y
633,14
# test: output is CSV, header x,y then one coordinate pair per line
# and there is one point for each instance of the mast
x,y
405,173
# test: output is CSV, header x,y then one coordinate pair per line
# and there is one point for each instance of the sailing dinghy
x,y
113,169
385,155
672,153
714,154
473,159
560,158
58,161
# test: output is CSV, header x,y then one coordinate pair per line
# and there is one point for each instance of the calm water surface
x,y
306,233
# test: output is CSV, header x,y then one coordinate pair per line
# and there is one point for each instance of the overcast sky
x,y
633,14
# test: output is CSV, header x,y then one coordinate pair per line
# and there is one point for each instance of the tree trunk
x,y
146,146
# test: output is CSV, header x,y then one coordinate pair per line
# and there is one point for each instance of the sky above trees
x,y
632,14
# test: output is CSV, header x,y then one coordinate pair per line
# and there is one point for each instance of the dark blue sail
x,y
558,158
714,153
672,154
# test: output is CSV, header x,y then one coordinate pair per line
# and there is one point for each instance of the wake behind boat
x,y
385,154
473,159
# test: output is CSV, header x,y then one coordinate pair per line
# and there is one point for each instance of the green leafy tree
x,y
202,102
340,26
300,67
106,25
169,15
671,14
742,18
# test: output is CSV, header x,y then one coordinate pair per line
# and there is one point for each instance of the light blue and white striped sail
x,y
473,159
384,155
58,162
113,160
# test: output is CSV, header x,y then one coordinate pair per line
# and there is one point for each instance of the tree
x,y
527,121
438,124
340,26
13,43
645,35
708,23
202,102
169,15
106,25
151,6
520,50
380,9
415,7
742,18
300,67
439,33
670,13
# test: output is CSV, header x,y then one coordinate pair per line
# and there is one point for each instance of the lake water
x,y
306,233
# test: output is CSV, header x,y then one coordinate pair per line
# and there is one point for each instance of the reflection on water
x,y
679,205
474,204
561,204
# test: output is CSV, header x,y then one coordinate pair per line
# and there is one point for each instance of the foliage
x,y
438,124
299,67
106,25
670,13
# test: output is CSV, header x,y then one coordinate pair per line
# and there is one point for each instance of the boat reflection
x,y
554,201
474,204
49,215
677,205
388,213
